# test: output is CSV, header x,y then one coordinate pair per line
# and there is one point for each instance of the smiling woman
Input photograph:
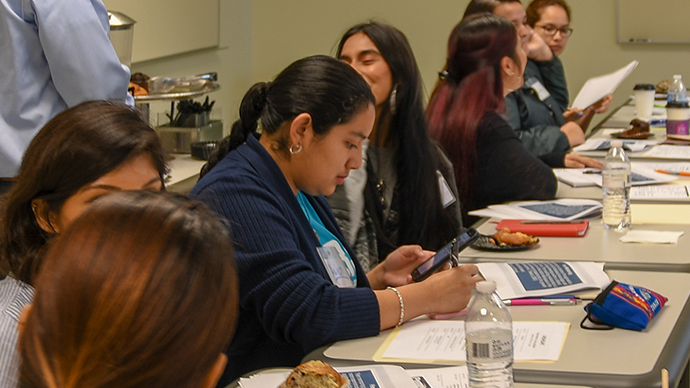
x,y
83,153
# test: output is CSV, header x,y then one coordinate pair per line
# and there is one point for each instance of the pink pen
x,y
541,302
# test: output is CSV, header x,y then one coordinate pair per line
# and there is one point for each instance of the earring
x,y
297,151
393,98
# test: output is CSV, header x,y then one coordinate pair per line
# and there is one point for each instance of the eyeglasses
x,y
551,30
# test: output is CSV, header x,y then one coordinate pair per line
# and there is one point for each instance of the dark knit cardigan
x,y
288,305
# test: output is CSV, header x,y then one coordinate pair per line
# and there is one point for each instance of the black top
x,y
506,170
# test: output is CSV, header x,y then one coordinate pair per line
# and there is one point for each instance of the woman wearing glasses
x,y
550,20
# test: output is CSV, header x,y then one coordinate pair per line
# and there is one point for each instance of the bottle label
x,y
498,348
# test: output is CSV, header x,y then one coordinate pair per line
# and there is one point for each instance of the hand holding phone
x,y
444,255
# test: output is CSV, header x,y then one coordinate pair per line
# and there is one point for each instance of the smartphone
x,y
444,255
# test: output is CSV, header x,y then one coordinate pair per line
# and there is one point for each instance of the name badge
x,y
447,197
541,91
334,260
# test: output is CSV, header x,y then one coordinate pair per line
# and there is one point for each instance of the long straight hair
x,y
140,291
423,219
472,88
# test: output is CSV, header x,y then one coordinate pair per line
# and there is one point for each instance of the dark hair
x,y
75,148
482,6
535,8
472,88
423,219
140,291
329,90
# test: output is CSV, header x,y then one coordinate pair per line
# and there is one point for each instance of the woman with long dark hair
x,y
85,152
405,192
485,63
139,292
301,285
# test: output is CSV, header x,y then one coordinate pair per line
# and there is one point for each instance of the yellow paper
x,y
675,214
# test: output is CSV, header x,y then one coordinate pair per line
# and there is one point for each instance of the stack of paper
x,y
544,278
558,209
641,175
599,144
597,88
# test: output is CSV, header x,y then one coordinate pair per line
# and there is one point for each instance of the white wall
x,y
261,37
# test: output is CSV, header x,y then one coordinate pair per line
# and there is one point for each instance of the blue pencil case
x,y
625,306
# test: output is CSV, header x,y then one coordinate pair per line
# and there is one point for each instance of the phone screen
x,y
444,255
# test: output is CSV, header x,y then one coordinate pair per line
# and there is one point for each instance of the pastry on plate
x,y
506,237
315,374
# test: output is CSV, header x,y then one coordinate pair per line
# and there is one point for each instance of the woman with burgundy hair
x,y
485,62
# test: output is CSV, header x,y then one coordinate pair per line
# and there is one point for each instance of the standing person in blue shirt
x,y
301,285
55,55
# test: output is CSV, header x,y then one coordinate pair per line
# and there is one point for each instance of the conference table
x,y
595,358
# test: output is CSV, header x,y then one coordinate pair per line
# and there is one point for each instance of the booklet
x,y
544,278
558,209
600,144
641,175
597,88
365,376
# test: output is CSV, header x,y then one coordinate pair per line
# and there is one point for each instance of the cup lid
x,y
677,105
644,87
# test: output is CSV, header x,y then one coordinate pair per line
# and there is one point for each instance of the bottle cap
x,y
486,286
677,105
644,87
677,76
616,143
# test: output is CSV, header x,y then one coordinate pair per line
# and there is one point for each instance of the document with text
x,y
427,339
597,88
448,377
668,152
655,192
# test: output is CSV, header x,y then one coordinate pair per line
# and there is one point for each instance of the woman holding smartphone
x,y
301,285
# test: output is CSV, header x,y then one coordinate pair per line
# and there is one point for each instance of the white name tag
x,y
336,263
541,91
447,196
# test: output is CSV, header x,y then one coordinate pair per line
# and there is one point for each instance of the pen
x,y
681,173
541,302
657,122
591,172
552,222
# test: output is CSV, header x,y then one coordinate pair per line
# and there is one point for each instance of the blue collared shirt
x,y
53,55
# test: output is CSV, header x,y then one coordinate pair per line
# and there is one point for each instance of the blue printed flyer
x,y
544,278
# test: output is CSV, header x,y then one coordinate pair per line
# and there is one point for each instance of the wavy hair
x,y
75,148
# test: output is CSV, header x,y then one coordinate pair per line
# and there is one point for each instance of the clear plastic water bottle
x,y
616,178
489,339
677,92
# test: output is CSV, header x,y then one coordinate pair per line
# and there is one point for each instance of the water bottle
x,y
489,339
677,92
616,184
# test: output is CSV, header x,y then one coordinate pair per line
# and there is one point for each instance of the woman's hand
x,y
572,114
573,160
397,269
537,49
451,290
603,105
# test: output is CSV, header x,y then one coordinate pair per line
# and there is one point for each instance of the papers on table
x,y
651,237
668,152
448,377
543,278
599,144
658,192
641,175
365,376
668,166
428,340
558,209
597,88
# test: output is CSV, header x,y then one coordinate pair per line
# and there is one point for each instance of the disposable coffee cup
x,y
644,101
677,118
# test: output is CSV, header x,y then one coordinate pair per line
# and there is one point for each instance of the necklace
x,y
381,189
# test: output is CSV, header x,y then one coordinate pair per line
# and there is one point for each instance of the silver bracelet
x,y
402,305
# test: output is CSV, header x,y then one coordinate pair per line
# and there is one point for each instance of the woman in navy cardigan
x,y
301,286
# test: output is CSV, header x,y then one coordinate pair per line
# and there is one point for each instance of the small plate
x,y
618,135
484,244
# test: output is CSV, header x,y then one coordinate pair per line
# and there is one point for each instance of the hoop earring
x,y
295,152
393,99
